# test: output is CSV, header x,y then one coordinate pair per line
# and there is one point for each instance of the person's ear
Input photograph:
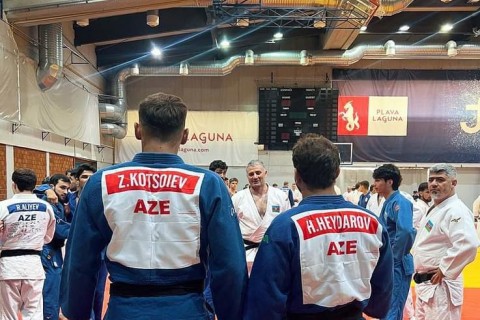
x,y
184,136
138,131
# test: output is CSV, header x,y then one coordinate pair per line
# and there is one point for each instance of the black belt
x,y
250,244
19,252
345,313
422,277
121,289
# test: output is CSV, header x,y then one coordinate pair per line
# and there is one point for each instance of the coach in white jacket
x,y
446,242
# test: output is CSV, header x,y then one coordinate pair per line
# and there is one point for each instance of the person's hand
x,y
437,277
51,196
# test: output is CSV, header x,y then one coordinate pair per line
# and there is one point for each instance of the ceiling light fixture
x,y
224,44
404,28
156,52
363,28
242,22
249,57
135,70
451,48
304,58
446,28
83,22
390,48
319,24
278,36
152,18
183,69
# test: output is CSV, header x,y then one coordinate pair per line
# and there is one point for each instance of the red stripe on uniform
x,y
151,181
319,223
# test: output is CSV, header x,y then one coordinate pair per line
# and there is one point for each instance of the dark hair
x,y
84,167
217,164
58,177
25,179
162,116
422,186
389,172
46,180
72,172
317,161
232,180
364,183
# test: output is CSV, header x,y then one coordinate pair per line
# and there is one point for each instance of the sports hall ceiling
x,y
192,30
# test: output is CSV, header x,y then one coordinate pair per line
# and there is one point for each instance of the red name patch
x,y
319,223
150,181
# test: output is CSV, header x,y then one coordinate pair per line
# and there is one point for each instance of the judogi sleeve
x,y
405,232
51,225
227,263
271,273
83,258
381,281
464,243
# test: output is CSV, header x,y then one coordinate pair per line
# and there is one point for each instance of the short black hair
x,y
84,167
389,172
162,116
422,186
317,160
25,179
364,183
57,178
217,164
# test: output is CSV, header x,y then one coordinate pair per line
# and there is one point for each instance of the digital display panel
x,y
287,113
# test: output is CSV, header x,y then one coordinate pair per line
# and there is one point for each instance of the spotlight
x,y
390,48
249,57
156,52
224,44
278,36
152,18
83,22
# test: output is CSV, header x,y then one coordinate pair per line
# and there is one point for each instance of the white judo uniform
x,y
252,225
375,204
447,240
418,215
29,223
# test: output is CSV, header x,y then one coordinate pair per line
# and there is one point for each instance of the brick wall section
x,y
60,163
3,173
31,159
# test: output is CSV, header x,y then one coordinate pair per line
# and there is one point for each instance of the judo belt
x,y
422,277
250,244
345,313
128,290
19,252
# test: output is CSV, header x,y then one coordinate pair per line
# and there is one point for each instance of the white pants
x,y
21,295
409,309
438,307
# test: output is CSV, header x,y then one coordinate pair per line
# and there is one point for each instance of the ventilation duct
x,y
114,120
50,51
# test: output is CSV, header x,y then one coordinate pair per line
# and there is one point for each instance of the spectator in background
x,y
297,195
289,193
232,186
365,193
256,207
446,243
397,214
219,167
375,204
303,270
52,257
476,209
26,224
424,202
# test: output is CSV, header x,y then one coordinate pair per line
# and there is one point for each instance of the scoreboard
x,y
287,113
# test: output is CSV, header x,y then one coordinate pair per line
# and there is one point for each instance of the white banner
x,y
228,136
